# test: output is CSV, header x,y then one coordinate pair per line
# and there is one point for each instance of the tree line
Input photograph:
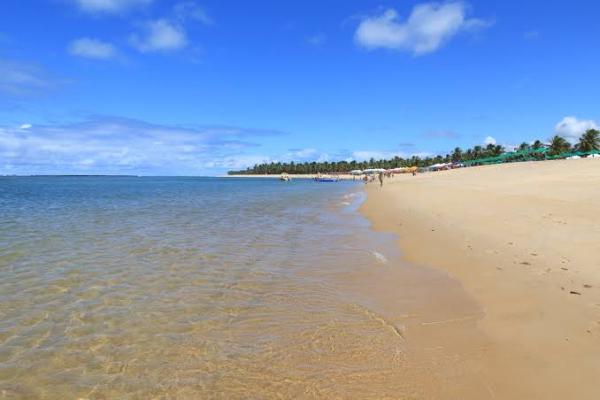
x,y
589,141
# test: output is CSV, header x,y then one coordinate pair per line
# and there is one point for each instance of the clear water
x,y
125,287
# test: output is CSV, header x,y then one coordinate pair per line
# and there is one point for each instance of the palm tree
x,y
558,145
457,154
497,150
589,141
469,154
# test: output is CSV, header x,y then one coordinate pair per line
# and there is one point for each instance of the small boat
x,y
325,179
285,177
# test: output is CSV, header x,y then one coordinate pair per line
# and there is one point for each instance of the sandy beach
x,y
523,239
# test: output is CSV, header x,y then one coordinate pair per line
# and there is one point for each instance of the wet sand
x,y
523,240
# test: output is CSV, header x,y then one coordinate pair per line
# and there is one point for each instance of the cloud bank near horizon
x,y
110,145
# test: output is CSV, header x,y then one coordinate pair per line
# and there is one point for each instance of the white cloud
x,y
25,126
428,26
160,35
323,157
169,34
117,145
20,79
92,48
109,6
572,128
489,140
189,10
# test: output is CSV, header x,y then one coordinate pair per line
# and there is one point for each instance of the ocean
x,y
138,288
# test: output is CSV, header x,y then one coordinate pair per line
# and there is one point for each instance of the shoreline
x,y
345,177
523,240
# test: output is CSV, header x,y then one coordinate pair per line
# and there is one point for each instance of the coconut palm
x,y
524,146
558,145
457,154
497,150
589,141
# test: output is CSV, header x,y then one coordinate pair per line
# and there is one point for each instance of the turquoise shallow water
x,y
126,287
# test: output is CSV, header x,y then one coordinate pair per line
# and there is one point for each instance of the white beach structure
x,y
373,171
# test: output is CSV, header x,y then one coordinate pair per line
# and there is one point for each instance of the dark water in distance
x,y
126,287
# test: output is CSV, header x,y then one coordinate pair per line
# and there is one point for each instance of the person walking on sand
x,y
380,179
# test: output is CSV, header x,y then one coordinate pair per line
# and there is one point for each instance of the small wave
x,y
345,203
379,257
349,196
380,319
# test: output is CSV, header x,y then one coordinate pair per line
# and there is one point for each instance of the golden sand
x,y
524,241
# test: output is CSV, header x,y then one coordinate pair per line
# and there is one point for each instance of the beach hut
x,y
440,166
399,170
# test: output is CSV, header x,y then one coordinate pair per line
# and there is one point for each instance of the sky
x,y
157,87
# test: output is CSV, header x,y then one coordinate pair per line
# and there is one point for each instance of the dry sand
x,y
523,239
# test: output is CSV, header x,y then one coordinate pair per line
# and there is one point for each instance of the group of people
x,y
371,178
381,175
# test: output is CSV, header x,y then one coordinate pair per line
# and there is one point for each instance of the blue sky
x,y
160,87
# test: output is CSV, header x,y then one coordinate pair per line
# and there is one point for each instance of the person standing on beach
x,y
380,179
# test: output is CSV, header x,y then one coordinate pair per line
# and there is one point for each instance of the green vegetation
x,y
559,147
589,141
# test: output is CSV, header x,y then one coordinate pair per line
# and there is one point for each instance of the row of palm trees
x,y
589,141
